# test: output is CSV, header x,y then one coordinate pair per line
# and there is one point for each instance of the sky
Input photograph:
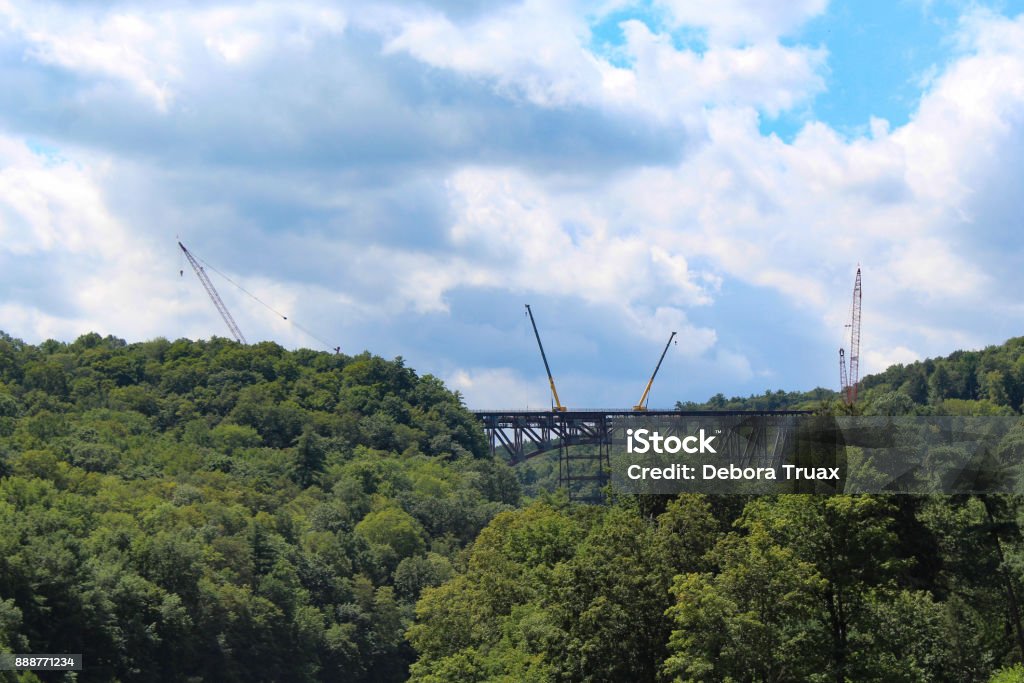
x,y
403,177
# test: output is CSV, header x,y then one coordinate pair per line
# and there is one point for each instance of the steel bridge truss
x,y
584,438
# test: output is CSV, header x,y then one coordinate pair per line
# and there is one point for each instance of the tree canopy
x,y
210,511
203,510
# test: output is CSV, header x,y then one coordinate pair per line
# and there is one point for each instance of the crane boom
x,y
642,403
855,340
214,296
848,384
551,380
843,383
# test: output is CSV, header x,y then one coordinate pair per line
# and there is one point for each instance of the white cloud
x,y
561,242
28,321
539,51
71,266
497,388
119,47
151,52
912,203
881,358
766,75
743,20
533,49
528,239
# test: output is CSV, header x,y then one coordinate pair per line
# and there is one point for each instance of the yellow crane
x,y
551,380
641,405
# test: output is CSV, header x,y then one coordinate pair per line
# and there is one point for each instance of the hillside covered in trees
x,y
208,511
986,382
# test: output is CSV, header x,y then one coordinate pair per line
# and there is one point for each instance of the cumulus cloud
x,y
154,54
498,388
915,204
70,265
734,21
766,75
538,51
544,64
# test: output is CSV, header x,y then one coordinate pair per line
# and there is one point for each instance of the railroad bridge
x,y
584,438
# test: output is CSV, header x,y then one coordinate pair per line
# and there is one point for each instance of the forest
x,y
208,511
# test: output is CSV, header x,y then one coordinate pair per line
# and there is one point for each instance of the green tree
x,y
753,620
851,543
393,528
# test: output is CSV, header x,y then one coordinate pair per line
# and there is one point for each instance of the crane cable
x,y
268,306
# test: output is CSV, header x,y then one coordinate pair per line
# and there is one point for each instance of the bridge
x,y
583,438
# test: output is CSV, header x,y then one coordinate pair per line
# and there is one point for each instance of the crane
x,y
214,296
842,373
642,403
849,385
551,380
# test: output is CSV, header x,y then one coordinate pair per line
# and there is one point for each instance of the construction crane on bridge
x,y
641,405
557,405
849,383
214,296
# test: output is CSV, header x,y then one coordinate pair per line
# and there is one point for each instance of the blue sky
x,y
403,176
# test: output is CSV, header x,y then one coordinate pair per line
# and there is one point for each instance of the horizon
x,y
421,372
402,178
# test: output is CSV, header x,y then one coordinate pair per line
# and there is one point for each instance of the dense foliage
x,y
793,588
986,382
208,511
787,588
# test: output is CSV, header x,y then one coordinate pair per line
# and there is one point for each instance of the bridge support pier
x,y
585,471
